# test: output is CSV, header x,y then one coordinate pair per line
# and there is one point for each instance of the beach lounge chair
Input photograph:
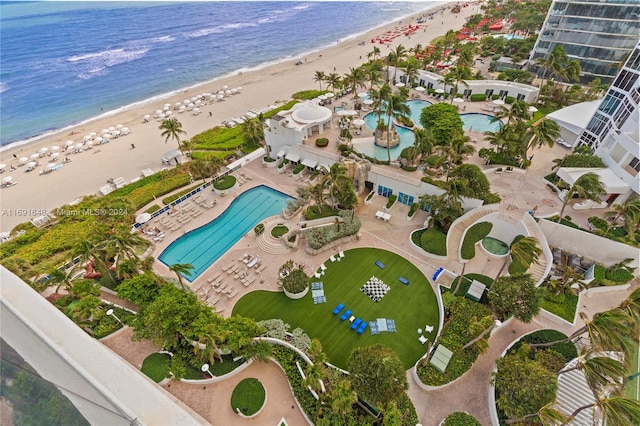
x,y
379,264
403,280
333,258
338,308
341,254
363,326
356,323
346,314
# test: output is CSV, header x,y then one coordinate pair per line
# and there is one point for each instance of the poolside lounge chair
x,y
317,275
379,214
346,314
341,254
403,280
253,263
379,264
338,308
356,323
362,327
333,258
324,268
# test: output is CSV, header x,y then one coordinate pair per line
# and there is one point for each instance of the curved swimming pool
x,y
372,150
478,122
203,246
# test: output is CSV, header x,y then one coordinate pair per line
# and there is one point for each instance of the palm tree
x,y
342,396
629,210
201,169
336,181
333,80
379,97
616,410
553,62
524,251
61,277
631,306
181,269
546,415
586,186
354,79
253,131
519,112
259,350
545,132
375,53
395,106
206,348
599,369
456,74
395,57
319,77
411,71
447,80
172,129
372,74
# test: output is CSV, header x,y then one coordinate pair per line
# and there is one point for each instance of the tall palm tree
x,y
518,112
342,396
554,62
379,97
206,348
629,210
631,306
336,181
395,106
179,269
354,79
456,74
586,186
319,77
616,410
599,369
259,350
447,80
333,81
545,132
546,415
61,277
375,53
524,251
172,129
411,71
253,132
372,74
395,58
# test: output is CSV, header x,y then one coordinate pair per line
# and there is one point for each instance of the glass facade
x,y
599,33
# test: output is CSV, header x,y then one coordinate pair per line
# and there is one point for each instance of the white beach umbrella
x,y
368,101
79,145
86,138
55,148
440,91
98,139
105,130
43,150
177,105
146,117
112,128
34,156
3,166
194,98
458,100
168,113
118,126
125,130
220,92
498,101
198,102
227,92
225,87
55,155
363,94
347,112
116,133
358,122
106,135
143,218
88,144
322,97
69,143
7,179
158,111
182,109
532,109
186,101
93,134
220,97
239,88
420,89
31,164
23,160
234,92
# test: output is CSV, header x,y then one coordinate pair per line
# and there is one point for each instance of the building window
x,y
520,97
610,103
489,93
384,191
626,80
634,60
597,124
635,164
405,199
503,94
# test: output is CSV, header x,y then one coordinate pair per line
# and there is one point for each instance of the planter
x,y
390,203
296,296
223,192
271,164
368,200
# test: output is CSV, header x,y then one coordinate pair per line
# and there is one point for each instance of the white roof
x,y
292,156
575,117
612,183
311,112
309,162
282,152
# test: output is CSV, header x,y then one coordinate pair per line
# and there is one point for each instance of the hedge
x,y
322,142
474,234
148,189
298,169
172,198
478,97
318,237
392,200
225,183
268,159
563,305
509,100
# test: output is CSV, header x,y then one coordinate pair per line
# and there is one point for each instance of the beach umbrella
x,y
79,145
368,101
329,95
225,87
532,109
125,130
322,97
98,139
55,148
116,133
220,97
34,156
93,134
239,88
347,112
458,100
146,117
198,102
31,164
87,138
23,160
55,155
440,91
7,179
69,143
106,135
363,94
111,129
498,101
400,84
50,166
88,144
118,126
43,150
168,113
234,92
420,89
358,122
3,166
158,112
227,92
177,104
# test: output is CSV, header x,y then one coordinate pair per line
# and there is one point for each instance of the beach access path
x,y
35,195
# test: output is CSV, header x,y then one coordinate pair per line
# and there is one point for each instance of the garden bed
x,y
248,397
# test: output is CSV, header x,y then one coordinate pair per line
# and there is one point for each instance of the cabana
x,y
440,358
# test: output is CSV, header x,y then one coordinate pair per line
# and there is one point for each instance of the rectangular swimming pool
x,y
203,246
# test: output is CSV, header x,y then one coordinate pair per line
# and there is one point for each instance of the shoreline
x,y
268,85
238,72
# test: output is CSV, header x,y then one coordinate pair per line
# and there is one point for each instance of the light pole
x,y
205,369
110,313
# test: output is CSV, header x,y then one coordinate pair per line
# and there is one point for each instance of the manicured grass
x,y
279,231
225,183
632,388
474,234
248,396
562,305
411,307
316,212
156,366
227,366
434,241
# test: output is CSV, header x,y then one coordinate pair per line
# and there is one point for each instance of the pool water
x,y
370,149
203,246
416,106
495,246
480,122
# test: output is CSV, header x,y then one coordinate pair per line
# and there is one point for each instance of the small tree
x,y
181,269
295,280
515,296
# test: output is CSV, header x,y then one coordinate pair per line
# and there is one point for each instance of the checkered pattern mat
x,y
317,293
375,288
317,285
382,324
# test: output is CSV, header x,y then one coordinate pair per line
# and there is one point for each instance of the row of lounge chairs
x,y
357,324
203,202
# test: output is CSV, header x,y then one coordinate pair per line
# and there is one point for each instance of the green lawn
x,y
411,307
632,388
248,396
156,366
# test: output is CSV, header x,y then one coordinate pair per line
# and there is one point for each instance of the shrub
x,y
225,183
275,328
413,209
478,97
156,366
318,212
409,168
618,275
370,196
283,164
460,419
296,281
248,396
268,159
509,100
322,142
279,231
318,237
405,121
287,359
392,200
474,234
563,305
172,198
307,95
259,229
434,241
567,350
300,167
152,209
494,97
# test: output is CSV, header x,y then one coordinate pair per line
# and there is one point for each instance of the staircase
x,y
457,229
269,245
573,392
539,270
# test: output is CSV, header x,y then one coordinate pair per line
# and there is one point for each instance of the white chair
x,y
428,328
423,339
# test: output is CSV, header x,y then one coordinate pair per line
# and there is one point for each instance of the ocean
x,y
63,63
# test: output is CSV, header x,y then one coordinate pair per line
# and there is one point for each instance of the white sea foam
x,y
92,64
202,32
3,87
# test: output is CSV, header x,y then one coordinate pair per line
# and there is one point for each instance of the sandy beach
x,y
35,194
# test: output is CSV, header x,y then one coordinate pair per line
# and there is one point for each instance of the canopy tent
x,y
440,358
575,117
292,156
309,162
611,182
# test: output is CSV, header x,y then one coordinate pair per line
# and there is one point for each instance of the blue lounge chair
x,y
356,323
346,314
403,280
379,264
338,308
362,327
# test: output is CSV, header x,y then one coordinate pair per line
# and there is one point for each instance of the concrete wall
x,y
503,230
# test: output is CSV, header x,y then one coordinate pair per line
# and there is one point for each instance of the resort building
x,y
613,130
598,33
502,89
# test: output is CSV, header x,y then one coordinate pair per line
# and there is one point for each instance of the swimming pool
x,y
372,150
480,122
416,107
203,246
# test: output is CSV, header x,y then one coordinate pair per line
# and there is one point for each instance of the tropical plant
x,y
172,129
354,79
515,296
586,186
181,269
544,132
616,410
319,77
553,61
524,251
395,57
396,105
629,211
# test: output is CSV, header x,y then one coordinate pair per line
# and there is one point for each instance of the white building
x,y
613,130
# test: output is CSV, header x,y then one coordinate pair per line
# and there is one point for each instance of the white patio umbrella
x,y
458,100
7,179
329,95
498,101
440,91
220,92
79,145
119,126
167,113
43,150
93,134
23,160
198,102
86,138
239,88
420,89
220,97
55,148
3,166
125,130
158,112
69,143
143,218
347,112
146,117
177,105
116,133
225,87
358,122
234,92
322,97
532,109
31,164
88,144
363,94
368,101
98,139
106,135
34,156
111,129
107,130
55,155
227,92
